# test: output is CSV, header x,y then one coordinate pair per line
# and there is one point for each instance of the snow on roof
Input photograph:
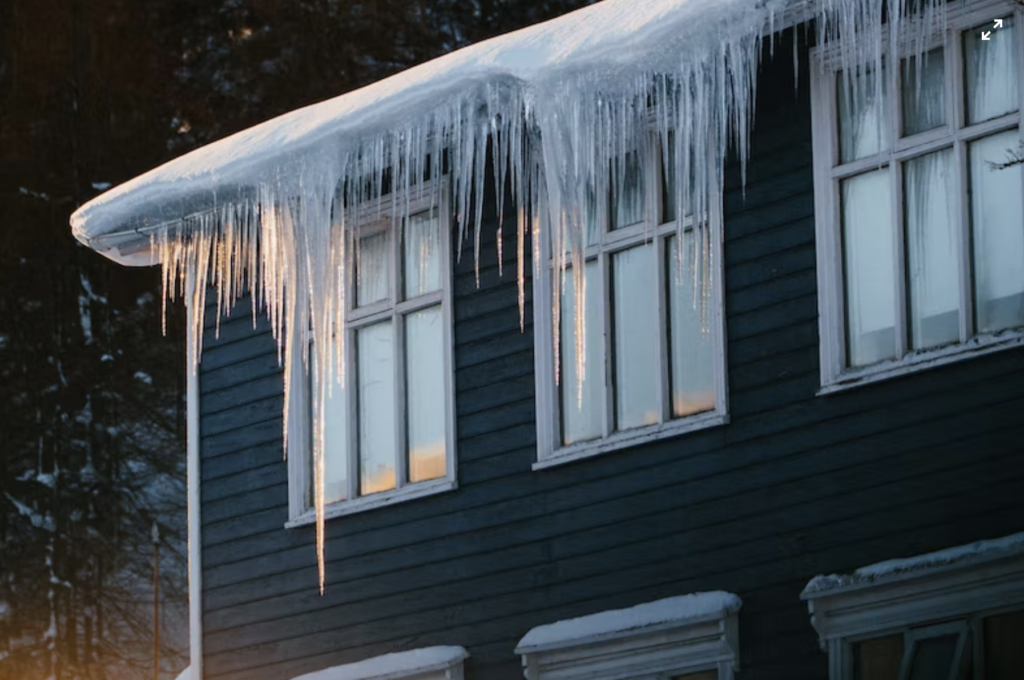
x,y
185,674
891,569
692,608
393,666
599,39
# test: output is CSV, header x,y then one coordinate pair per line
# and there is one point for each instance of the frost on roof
x,y
553,109
961,554
393,666
682,609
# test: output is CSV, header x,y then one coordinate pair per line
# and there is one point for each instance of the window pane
x,y
997,217
373,270
990,71
377,447
878,659
929,185
422,254
690,336
425,394
869,261
627,191
581,419
1004,653
863,130
335,444
933,657
924,92
636,348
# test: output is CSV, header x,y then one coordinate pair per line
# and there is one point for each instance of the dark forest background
x,y
92,421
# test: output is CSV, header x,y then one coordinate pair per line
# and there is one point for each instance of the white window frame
x,y
390,210
916,601
428,663
550,450
835,375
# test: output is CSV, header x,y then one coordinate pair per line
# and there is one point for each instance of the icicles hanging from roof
x,y
557,140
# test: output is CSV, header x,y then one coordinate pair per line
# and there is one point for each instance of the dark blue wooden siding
x,y
795,485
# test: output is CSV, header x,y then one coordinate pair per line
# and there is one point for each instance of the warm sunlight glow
x,y
688,403
427,462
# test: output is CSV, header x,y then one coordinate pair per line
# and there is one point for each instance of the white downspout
x,y
195,564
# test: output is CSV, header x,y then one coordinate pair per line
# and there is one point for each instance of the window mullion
x,y
964,269
607,344
401,412
352,408
665,370
900,258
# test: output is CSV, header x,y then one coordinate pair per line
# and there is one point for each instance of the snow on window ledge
x,y
427,663
908,591
382,499
676,635
630,438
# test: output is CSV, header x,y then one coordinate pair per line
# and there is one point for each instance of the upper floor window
x,y
920,238
653,333
388,429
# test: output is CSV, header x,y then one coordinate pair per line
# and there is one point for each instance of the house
x,y
765,423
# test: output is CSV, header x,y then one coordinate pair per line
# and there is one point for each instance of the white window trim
x,y
835,376
640,650
550,452
431,194
847,609
428,663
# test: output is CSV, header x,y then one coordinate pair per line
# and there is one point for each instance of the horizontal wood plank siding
x,y
793,486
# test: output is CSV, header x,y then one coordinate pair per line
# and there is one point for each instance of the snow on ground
x,y
685,608
393,666
979,550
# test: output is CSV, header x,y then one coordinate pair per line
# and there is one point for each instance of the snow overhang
x,y
607,41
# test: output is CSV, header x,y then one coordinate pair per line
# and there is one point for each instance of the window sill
x,y
375,501
912,363
621,440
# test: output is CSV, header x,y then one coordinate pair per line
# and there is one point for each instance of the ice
x,y
1013,544
685,608
560,102
393,666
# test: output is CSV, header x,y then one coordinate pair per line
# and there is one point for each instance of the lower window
x,y
982,646
955,614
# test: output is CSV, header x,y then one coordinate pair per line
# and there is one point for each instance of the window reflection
x,y
425,394
377,418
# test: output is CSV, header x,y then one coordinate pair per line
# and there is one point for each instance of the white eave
x,y
605,38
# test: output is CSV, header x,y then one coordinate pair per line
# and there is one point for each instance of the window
x,y
956,614
690,637
388,432
427,663
920,240
653,335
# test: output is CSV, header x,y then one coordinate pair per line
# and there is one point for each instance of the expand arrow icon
x,y
985,35
999,23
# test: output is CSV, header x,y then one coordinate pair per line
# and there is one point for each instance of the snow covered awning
x,y
427,663
901,592
673,636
